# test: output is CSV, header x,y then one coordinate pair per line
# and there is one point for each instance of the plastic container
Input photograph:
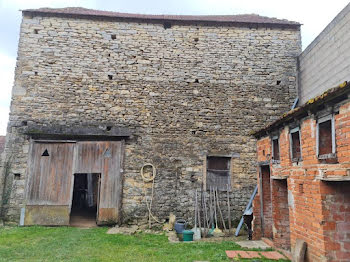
x,y
187,235
180,226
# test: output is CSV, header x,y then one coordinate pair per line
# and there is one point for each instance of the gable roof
x,y
91,13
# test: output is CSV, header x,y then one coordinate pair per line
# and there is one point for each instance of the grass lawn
x,y
74,244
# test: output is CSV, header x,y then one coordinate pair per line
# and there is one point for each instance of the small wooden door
x,y
48,191
104,157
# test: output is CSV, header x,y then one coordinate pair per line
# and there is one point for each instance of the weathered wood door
x,y
49,183
104,158
51,172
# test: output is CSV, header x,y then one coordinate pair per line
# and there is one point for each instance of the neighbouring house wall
x,y
324,63
184,92
318,209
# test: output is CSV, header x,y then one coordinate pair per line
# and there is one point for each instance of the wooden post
x,y
228,209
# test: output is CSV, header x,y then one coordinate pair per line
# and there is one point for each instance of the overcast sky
x,y
313,14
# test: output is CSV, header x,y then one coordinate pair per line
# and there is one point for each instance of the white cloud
x,y
23,4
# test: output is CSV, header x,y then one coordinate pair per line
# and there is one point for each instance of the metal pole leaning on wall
x,y
246,209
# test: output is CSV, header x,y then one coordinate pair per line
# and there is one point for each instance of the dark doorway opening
x,y
85,200
281,234
266,203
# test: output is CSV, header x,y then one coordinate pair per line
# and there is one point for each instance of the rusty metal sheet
x,y
50,177
47,215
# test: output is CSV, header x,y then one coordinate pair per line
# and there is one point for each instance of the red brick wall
x,y
319,211
336,220
280,211
267,203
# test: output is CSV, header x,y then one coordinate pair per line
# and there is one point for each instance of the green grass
x,y
74,244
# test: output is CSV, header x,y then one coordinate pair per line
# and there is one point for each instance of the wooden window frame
x,y
292,131
321,120
274,161
206,163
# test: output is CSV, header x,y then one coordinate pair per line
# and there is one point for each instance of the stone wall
x,y
184,92
324,63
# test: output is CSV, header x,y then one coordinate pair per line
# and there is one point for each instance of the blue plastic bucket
x,y
180,226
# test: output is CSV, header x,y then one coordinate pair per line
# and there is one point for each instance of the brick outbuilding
x,y
304,178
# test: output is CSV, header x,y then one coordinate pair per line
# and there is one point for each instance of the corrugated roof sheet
x,y
297,113
246,18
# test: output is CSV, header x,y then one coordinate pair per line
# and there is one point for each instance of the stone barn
x,y
99,96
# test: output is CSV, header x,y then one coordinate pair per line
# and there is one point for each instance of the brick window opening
x,y
275,149
301,188
295,145
218,172
325,137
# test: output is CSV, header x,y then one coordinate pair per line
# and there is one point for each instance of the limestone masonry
x,y
184,90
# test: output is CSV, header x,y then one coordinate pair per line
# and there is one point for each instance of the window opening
x,y
295,144
325,137
218,172
275,149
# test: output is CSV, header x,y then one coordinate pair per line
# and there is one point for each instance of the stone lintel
x,y
43,131
333,178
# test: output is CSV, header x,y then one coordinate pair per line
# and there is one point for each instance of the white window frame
x,y
320,121
292,131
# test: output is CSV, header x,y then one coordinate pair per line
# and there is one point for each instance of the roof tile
x,y
245,18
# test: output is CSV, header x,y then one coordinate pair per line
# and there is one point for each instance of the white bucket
x,y
197,233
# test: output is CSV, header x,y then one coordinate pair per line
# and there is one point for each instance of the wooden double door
x,y
50,179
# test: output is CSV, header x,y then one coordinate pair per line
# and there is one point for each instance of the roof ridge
x,y
238,18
